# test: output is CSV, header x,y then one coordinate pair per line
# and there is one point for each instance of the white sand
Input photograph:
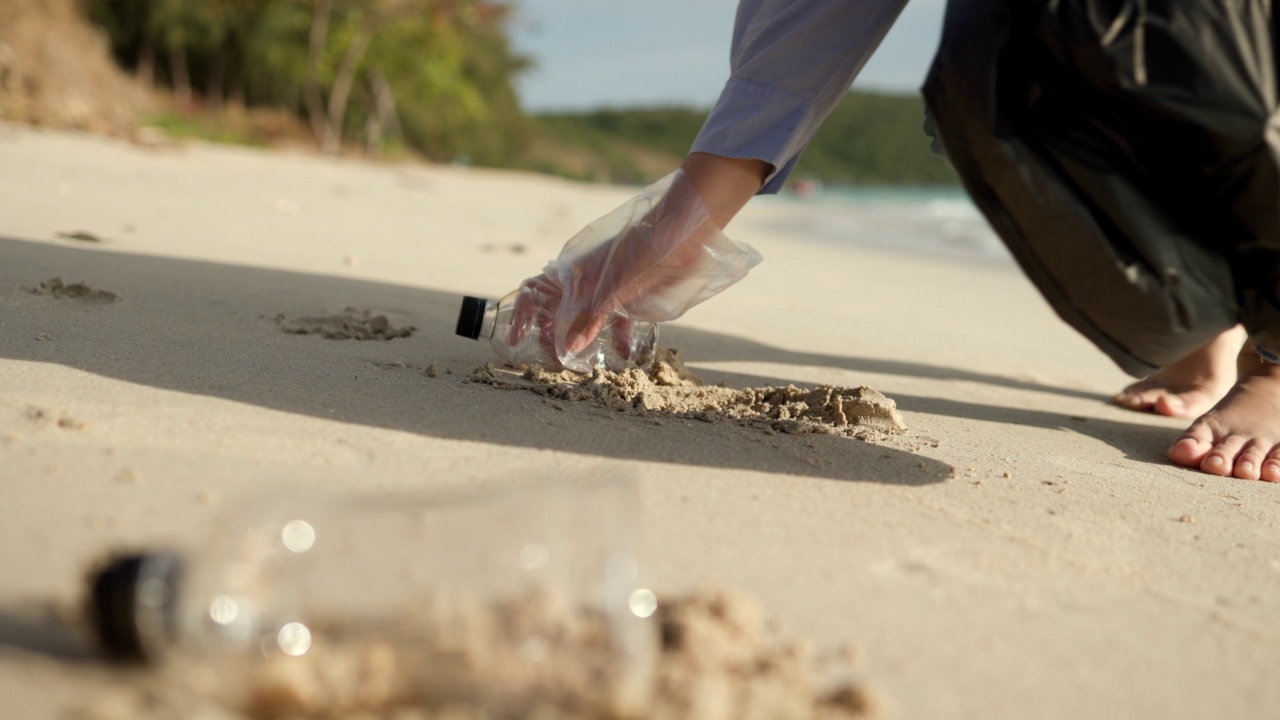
x,y
1065,571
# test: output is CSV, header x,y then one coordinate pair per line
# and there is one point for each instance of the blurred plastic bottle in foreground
x,y
495,604
645,263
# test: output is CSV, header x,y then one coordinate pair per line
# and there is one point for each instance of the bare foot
x,y
1240,436
1191,385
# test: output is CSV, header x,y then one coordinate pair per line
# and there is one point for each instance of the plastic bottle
x,y
522,341
496,603
660,251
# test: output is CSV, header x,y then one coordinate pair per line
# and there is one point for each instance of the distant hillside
x,y
56,71
621,146
870,139
875,139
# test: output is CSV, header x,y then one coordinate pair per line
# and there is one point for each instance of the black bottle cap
x,y
471,316
134,605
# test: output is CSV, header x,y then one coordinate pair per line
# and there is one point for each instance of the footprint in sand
x,y
54,287
350,324
80,236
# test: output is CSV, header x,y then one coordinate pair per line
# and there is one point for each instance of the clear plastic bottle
x,y
496,603
656,255
518,340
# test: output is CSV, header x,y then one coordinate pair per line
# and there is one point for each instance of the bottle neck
x,y
489,322
135,605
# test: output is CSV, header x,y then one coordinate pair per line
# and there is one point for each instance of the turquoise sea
x,y
939,220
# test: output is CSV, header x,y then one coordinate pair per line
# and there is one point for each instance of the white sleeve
x,y
792,62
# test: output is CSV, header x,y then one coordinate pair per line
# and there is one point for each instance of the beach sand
x,y
1023,550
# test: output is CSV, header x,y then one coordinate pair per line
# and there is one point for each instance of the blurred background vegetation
x,y
433,79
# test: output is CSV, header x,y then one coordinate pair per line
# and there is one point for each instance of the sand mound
x,y
667,387
54,287
350,324
56,70
719,661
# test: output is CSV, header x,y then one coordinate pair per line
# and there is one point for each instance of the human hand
x,y
536,304
531,336
646,262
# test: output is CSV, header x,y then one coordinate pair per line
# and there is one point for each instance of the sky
x,y
623,53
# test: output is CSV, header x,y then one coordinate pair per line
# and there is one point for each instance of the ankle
x,y
1251,365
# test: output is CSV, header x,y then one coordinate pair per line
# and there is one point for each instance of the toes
x,y
1271,466
1191,450
1162,401
1200,448
1136,399
1171,405
1215,464
1250,461
1221,460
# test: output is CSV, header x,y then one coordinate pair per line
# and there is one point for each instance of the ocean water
x,y
941,221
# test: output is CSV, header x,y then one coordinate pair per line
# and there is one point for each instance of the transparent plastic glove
x,y
646,262
524,330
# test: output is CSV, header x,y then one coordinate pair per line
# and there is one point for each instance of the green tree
x,y
423,50
436,74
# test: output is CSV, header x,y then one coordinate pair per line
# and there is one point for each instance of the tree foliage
x,y
435,75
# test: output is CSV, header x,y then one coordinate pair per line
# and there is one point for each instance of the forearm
x,y
792,62
725,184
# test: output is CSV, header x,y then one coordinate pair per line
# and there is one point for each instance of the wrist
x,y
725,184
